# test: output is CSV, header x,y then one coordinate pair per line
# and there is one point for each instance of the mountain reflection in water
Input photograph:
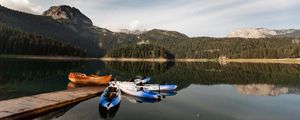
x,y
249,89
265,90
28,77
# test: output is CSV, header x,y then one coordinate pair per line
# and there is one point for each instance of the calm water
x,y
206,90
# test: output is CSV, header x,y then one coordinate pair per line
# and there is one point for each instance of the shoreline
x,y
38,57
223,61
264,60
157,60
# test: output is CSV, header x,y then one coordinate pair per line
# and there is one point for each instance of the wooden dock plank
x,y
23,107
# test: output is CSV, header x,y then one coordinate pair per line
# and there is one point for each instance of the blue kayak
x,y
167,93
142,80
110,97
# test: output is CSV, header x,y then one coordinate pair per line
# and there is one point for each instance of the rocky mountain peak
x,y
252,33
66,13
262,33
261,90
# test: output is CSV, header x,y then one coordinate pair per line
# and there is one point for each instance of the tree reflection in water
x,y
108,114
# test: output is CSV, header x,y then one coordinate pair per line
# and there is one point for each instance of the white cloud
x,y
22,5
136,25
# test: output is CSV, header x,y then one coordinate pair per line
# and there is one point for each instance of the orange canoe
x,y
81,78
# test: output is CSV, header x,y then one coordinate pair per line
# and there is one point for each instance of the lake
x,y
206,90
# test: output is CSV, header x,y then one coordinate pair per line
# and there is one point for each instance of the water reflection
x,y
28,77
135,100
205,91
124,70
166,93
196,102
56,114
265,90
108,114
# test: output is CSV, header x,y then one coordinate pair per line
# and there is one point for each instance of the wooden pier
x,y
26,107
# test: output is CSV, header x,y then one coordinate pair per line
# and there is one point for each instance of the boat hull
x,y
91,80
131,89
158,87
110,103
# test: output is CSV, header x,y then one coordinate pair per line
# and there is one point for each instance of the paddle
x,y
159,91
158,88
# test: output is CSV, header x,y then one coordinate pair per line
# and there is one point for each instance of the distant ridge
x,y
263,32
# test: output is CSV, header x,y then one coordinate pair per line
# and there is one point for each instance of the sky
x,y
191,17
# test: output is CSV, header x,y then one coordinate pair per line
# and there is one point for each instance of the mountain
x,y
68,25
14,41
261,90
164,38
137,32
62,23
263,32
158,34
67,14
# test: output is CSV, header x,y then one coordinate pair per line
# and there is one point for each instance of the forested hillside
x,y
100,41
81,35
15,41
205,47
140,51
238,48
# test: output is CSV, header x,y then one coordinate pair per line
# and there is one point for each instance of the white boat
x,y
131,89
158,87
153,87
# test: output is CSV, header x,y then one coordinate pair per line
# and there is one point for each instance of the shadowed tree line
x,y
83,36
210,73
15,41
206,47
238,48
29,77
140,51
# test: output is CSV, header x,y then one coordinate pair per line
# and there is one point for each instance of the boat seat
x,y
112,89
140,84
111,95
141,89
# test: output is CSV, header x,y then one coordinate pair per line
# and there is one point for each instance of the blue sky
x,y
192,17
